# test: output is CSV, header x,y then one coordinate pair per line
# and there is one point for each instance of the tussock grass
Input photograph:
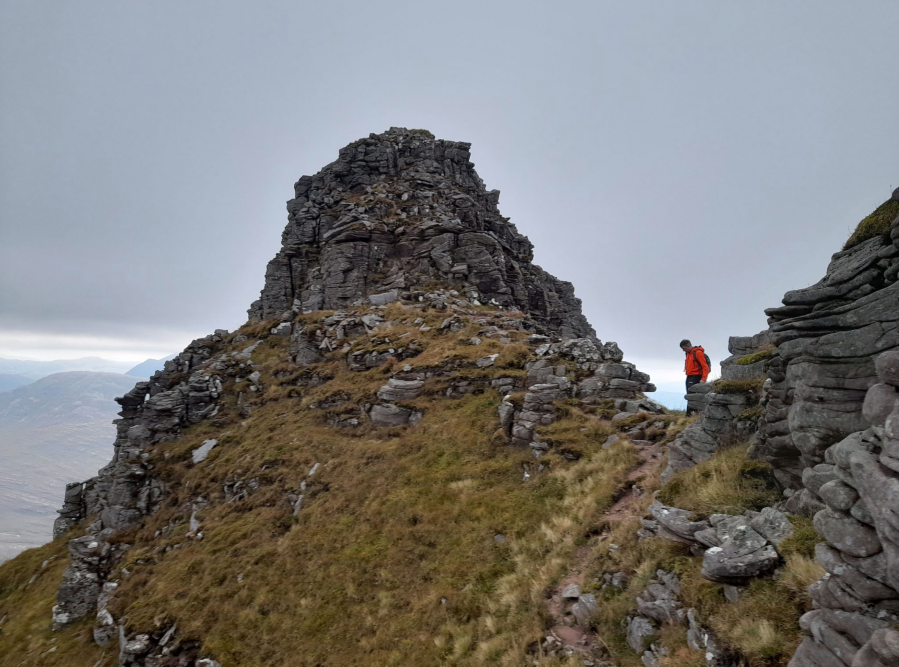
x,y
27,594
727,483
876,224
395,545
762,626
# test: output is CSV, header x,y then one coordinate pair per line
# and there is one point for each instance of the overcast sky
x,y
682,163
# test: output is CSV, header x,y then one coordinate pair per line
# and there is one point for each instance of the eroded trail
x,y
566,606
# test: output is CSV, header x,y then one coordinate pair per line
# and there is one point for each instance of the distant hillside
x,y
35,370
671,399
12,381
76,397
53,431
147,368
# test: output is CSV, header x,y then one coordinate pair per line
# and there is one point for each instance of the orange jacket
x,y
696,363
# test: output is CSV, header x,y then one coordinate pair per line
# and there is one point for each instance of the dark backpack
x,y
708,361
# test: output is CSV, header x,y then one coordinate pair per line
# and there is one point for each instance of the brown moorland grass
x,y
763,624
395,557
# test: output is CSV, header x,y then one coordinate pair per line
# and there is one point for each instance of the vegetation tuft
x,y
763,354
876,224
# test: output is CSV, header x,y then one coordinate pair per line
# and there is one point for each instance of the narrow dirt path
x,y
567,634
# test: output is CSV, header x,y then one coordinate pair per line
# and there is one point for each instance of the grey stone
x,y
283,329
571,592
880,401
847,534
639,630
384,298
773,525
679,524
387,414
487,361
583,609
330,259
887,367
838,495
400,390
200,453
659,600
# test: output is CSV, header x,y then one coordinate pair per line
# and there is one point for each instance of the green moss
x,y
728,483
746,387
752,413
876,224
763,354
803,539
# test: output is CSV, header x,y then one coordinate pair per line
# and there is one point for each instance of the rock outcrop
x,y
400,221
727,408
397,211
828,337
830,398
125,491
858,483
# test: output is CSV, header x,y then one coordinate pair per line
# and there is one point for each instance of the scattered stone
x,y
487,361
200,453
571,592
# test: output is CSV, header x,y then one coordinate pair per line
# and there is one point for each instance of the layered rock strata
x,y
828,399
726,407
399,221
397,211
125,491
857,602
827,337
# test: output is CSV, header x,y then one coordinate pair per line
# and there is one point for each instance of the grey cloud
x,y
684,164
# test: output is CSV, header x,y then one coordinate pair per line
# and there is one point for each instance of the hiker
x,y
696,366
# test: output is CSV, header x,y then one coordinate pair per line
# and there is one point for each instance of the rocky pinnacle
x,y
399,211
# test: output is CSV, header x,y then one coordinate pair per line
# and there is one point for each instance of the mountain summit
x,y
404,426
417,452
399,211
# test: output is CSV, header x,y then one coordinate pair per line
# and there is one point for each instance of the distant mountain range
x,y
76,397
35,370
146,368
12,380
53,431
670,399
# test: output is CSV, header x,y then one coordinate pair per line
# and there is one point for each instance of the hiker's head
x,y
686,345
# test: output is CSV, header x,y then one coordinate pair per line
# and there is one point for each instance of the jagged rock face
x,y
394,212
829,430
399,218
723,416
125,491
828,336
857,602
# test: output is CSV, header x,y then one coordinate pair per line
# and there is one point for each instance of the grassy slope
x,y
393,559
763,625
